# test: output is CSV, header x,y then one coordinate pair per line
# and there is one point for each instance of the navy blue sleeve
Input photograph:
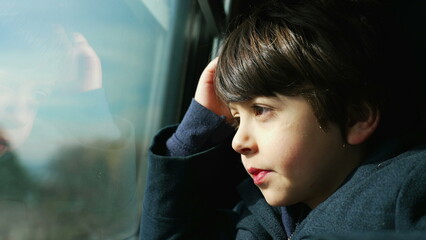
x,y
192,174
185,195
199,130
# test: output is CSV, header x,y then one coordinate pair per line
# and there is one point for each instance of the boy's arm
x,y
187,187
82,116
192,174
78,106
204,123
199,129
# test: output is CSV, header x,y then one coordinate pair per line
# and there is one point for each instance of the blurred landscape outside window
x,y
82,90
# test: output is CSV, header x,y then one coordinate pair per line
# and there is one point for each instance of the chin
x,y
276,201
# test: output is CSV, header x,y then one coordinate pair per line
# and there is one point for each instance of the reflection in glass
x,y
77,79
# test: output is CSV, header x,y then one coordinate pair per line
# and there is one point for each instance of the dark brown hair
x,y
328,51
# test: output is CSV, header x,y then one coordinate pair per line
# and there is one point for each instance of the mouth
x,y
4,145
258,175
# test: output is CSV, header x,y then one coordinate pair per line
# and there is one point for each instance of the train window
x,y
82,90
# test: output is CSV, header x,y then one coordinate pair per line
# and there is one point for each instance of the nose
x,y
244,141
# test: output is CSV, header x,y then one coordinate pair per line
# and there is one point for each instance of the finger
x,y
209,71
90,69
79,38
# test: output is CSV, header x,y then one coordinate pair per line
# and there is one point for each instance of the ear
x,y
362,128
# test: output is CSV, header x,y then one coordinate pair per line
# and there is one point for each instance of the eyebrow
x,y
232,105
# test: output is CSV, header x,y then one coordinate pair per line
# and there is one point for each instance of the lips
x,y
259,175
3,146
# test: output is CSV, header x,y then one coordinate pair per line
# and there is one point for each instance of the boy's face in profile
x,y
286,152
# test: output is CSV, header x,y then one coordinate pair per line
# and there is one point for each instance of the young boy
x,y
330,138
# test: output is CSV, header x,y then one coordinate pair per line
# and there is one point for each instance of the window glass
x,y
82,88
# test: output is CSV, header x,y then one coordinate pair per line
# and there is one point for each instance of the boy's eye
x,y
39,95
259,110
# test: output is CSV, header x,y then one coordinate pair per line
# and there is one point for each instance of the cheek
x,y
286,150
298,151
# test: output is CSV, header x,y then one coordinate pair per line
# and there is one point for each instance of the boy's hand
x,y
83,70
89,70
206,95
